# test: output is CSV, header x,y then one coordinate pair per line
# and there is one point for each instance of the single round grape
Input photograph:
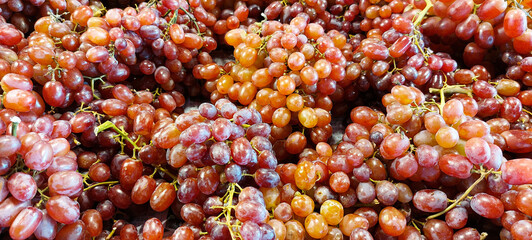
x,y
25,223
22,186
487,206
437,229
316,225
332,211
521,229
429,200
392,221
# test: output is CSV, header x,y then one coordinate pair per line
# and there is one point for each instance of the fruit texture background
x,y
262,120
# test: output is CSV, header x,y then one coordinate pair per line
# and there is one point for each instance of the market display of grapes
x,y
266,119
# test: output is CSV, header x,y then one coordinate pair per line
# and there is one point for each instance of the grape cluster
x,y
262,120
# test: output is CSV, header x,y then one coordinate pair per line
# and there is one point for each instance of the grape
x,y
162,197
517,141
477,150
426,156
350,222
47,229
266,178
514,23
459,10
9,145
192,213
452,111
456,218
152,229
360,233
387,193
196,133
316,225
510,217
522,199
516,171
65,183
487,206
250,231
394,145
249,210
339,182
455,165
491,9
521,229
270,113
74,230
22,186
93,222
332,211
437,229
188,190
392,221
302,205
467,233
221,130
429,200
9,209
182,232
241,151
63,209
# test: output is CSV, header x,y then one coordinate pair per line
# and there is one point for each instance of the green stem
x,y
15,121
518,5
101,183
483,174
449,90
108,124
229,202
154,172
422,14
164,170
255,148
193,19
111,234
100,78
43,196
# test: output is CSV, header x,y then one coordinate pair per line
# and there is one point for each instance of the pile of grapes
x,y
266,119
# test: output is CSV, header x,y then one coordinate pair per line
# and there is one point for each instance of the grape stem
x,y
164,170
518,5
15,121
108,124
255,148
415,226
227,207
529,113
41,193
423,12
446,89
43,197
100,78
193,19
371,204
101,183
375,181
483,174
154,172
111,234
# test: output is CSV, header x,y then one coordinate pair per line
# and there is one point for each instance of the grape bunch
x,y
262,120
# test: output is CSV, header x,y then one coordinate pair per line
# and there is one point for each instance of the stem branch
x,y
483,174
